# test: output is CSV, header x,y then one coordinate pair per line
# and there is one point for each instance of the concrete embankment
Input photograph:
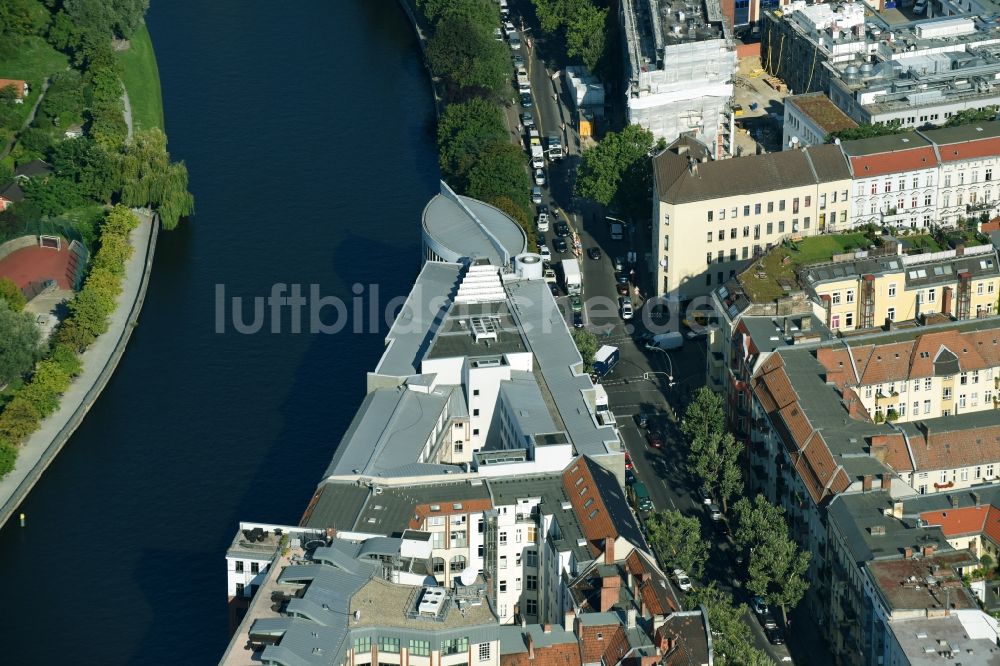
x,y
99,363
422,29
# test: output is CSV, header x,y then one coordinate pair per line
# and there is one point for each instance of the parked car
x,y
498,34
526,100
562,229
536,195
758,605
706,497
560,245
619,264
540,177
682,579
775,636
594,253
509,28
518,60
767,620
642,420
575,304
628,462
543,222
554,288
714,512
544,251
577,320
539,241
621,278
542,208
622,289
527,120
625,307
654,439
515,42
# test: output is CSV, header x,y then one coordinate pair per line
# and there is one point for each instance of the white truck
x,y
555,147
537,154
571,276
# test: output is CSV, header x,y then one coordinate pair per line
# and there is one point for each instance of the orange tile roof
x,y
958,448
557,654
610,647
16,83
956,522
991,527
595,526
423,511
891,450
897,161
968,150
650,589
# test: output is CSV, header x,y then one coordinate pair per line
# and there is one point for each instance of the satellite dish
x,y
469,575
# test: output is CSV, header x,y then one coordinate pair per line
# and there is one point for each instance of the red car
x,y
628,461
654,439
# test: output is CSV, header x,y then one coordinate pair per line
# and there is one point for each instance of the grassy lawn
x,y
924,242
142,81
33,61
82,220
812,250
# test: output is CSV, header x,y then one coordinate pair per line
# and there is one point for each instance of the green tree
x,y
18,420
19,339
8,458
21,18
970,116
464,130
500,171
777,566
585,35
120,17
731,635
149,178
467,57
618,171
12,294
716,462
519,214
704,417
865,131
67,360
677,540
586,344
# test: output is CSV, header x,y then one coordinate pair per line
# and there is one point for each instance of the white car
x,y
682,579
509,28
498,34
543,222
540,177
626,309
546,254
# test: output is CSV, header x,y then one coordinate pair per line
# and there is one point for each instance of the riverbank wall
x,y
422,30
99,364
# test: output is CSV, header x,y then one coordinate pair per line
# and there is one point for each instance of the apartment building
x,y
680,61
711,218
878,291
969,157
809,119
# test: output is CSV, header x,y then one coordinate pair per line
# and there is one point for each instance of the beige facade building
x,y
711,218
870,292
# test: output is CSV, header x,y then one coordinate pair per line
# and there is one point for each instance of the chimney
x,y
662,643
568,619
897,510
788,326
643,608
531,647
806,324
946,301
977,499
954,501
884,481
928,551
610,591
609,550
907,553
546,628
960,250
630,618
693,166
866,483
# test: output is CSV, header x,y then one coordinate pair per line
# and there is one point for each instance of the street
x,y
641,381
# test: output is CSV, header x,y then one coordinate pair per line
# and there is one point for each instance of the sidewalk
x,y
99,362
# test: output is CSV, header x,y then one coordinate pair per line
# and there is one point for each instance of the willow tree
x,y
149,178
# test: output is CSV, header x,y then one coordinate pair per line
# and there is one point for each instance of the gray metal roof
x,y
390,429
526,404
558,361
454,336
513,638
961,133
473,229
884,144
854,515
417,322
768,337
917,275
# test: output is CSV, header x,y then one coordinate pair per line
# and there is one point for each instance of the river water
x,y
307,130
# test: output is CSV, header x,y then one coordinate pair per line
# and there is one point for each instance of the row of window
x,y
873,187
254,567
964,379
420,648
758,208
530,583
964,400
963,474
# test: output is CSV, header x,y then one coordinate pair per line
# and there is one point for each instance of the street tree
x,y
677,540
585,34
715,461
500,171
703,418
465,129
19,339
777,566
586,343
732,639
618,170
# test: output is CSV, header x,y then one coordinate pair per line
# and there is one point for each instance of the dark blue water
x,y
305,127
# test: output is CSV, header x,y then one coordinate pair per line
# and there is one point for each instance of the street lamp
x,y
648,375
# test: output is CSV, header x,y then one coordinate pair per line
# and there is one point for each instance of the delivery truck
x,y
605,360
571,277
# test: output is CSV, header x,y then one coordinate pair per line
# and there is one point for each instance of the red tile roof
x,y
595,521
603,642
958,522
897,161
16,83
558,654
968,150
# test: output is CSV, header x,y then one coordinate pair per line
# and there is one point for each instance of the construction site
x,y
680,65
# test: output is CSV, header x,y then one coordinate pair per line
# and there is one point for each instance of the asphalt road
x,y
639,383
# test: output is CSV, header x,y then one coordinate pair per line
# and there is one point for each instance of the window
x,y
756,209
946,394
239,589
503,561
255,567
363,644
781,205
850,295
503,538
989,173
746,252
484,652
455,646
961,400
475,392
989,471
916,407
420,648
708,239
943,476
963,378
708,258
781,226
733,232
531,558
756,232
709,216
975,399
975,376
927,200
722,213
835,322
891,313
746,231
916,182
927,383
795,205
868,391
746,210
927,406
874,189
532,582
979,288
531,606
888,186
503,586
770,228
239,566
708,279
835,298
901,409
979,473
475,412
532,533
722,234
770,206
437,565
457,563
388,644
517,584
849,320
475,432
892,290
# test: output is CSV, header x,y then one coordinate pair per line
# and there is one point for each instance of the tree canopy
x,y
732,639
106,17
677,540
19,338
465,129
149,178
704,417
11,293
865,131
465,54
586,343
586,26
618,171
715,461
